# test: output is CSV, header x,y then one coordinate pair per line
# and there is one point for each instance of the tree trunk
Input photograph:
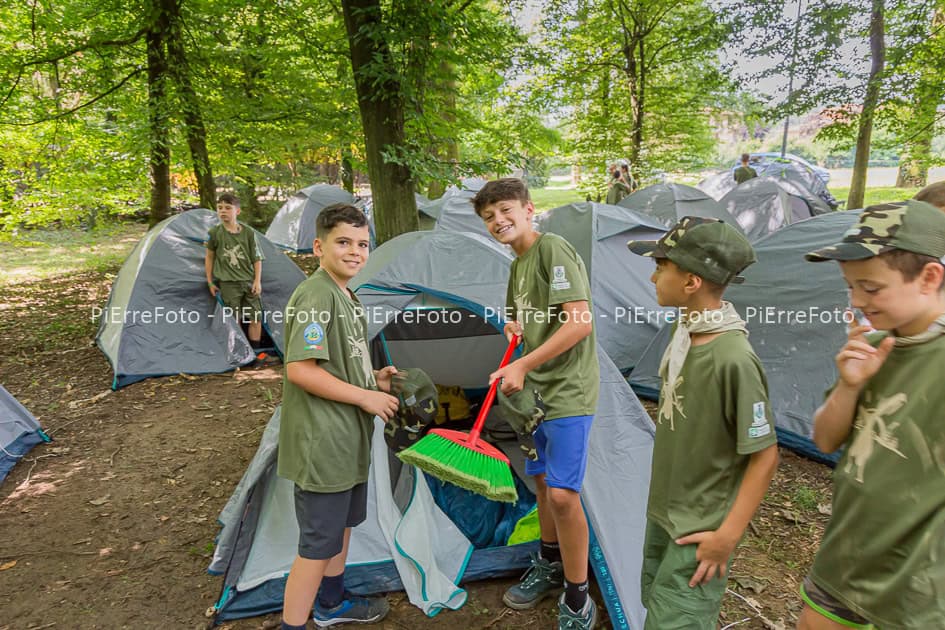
x,y
920,128
449,151
862,158
159,140
347,171
382,118
639,110
190,104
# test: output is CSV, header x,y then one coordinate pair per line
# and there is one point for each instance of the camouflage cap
x,y
524,411
912,226
417,410
709,248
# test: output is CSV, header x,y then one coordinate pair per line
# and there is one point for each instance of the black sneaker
x,y
352,610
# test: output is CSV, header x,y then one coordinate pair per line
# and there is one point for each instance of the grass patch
x,y
879,194
807,498
548,198
42,254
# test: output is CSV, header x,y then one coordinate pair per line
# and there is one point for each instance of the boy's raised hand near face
x,y
858,361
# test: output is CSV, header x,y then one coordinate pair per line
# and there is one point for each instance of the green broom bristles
x,y
463,467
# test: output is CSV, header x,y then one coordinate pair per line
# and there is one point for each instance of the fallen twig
x,y
111,458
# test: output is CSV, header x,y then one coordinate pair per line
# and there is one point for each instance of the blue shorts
x,y
562,452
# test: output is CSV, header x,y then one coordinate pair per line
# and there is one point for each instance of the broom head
x,y
471,464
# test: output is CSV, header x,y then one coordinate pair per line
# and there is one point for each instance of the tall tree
x,y
916,120
870,102
160,153
179,68
382,117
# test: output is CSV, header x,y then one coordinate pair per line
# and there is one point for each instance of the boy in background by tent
x,y
715,450
330,395
233,259
549,299
880,561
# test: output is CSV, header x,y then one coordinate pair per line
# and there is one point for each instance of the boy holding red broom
x,y
549,306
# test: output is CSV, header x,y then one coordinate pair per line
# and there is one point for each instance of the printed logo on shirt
x,y
313,335
559,281
759,422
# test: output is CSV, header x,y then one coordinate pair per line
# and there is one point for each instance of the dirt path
x,y
112,524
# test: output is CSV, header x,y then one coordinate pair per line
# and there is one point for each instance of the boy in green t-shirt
x,y
330,395
715,450
882,557
744,172
233,259
549,305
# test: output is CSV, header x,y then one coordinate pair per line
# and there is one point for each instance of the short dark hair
x,y
336,213
229,198
933,194
745,157
909,264
504,189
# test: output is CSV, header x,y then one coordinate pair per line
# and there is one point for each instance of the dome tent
x,y
160,318
407,540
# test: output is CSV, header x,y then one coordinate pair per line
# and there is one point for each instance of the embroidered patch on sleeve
x,y
759,421
313,335
559,280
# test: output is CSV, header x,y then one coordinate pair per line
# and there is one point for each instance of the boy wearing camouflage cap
x,y
882,557
715,449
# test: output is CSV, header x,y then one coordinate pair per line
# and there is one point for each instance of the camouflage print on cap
x,y
911,226
709,248
416,411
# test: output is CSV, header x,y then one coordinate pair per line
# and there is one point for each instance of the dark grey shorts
x,y
323,517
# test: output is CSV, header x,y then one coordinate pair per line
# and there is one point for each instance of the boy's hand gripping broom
x,y
465,460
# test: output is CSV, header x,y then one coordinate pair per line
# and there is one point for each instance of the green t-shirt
x,y
744,173
233,254
883,553
324,445
549,274
709,424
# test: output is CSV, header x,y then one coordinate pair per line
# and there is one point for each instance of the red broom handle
x,y
490,397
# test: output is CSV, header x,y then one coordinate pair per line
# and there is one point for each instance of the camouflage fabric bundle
x,y
417,410
524,411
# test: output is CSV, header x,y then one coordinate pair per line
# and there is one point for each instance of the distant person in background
x,y
627,177
619,187
933,194
744,172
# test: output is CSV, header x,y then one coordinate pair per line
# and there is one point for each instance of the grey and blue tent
x,y
19,432
625,308
293,227
801,176
668,203
764,204
160,318
794,311
456,213
435,300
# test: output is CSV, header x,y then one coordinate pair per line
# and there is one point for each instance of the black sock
x,y
332,591
286,626
575,595
550,551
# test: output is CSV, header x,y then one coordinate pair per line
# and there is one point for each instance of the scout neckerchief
x,y
703,322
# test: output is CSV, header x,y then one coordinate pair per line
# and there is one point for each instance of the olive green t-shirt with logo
x,y
710,421
546,276
233,253
325,445
883,553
